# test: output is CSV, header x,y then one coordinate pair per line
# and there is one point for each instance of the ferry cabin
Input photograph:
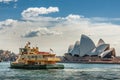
x,y
33,56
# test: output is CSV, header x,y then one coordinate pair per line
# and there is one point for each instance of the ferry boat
x,y
32,58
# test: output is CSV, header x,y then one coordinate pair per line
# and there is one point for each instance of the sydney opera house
x,y
86,50
86,47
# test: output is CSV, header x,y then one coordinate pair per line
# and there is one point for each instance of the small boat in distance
x,y
32,58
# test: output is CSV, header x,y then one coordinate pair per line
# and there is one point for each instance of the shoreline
x,y
92,62
89,60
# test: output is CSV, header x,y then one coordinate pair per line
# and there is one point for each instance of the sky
x,y
56,24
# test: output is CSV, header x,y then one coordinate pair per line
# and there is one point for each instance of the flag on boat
x,y
51,50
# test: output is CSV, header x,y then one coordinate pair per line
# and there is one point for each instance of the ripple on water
x,y
71,72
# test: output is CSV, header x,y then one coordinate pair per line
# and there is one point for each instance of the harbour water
x,y
72,71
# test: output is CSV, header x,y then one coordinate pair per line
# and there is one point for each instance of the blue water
x,y
71,72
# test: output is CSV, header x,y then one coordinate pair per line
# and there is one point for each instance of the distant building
x,y
86,47
6,55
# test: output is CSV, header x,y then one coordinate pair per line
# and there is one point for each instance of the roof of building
x,y
106,52
87,47
101,41
76,49
99,49
70,48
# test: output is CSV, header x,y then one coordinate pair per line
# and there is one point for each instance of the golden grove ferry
x,y
32,58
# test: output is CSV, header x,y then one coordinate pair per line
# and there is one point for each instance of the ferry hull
x,y
47,66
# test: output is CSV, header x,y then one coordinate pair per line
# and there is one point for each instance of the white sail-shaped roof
x,y
86,45
70,48
76,48
103,54
98,50
100,42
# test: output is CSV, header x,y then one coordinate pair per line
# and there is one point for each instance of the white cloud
x,y
7,1
41,32
104,20
56,33
35,11
73,17
7,23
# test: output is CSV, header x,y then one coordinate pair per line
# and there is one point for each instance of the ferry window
x,y
32,56
35,56
28,56
40,56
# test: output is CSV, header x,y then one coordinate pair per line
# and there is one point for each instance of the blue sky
x,y
57,24
87,8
